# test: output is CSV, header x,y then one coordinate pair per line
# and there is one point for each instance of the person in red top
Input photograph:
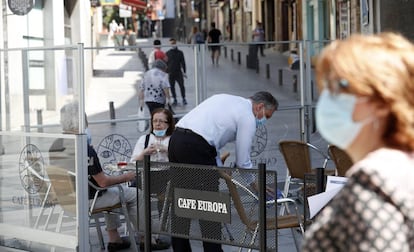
x,y
157,53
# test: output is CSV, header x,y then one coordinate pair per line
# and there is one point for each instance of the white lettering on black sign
x,y
187,203
205,205
202,205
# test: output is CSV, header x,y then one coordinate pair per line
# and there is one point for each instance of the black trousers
x,y
260,48
154,105
187,147
177,77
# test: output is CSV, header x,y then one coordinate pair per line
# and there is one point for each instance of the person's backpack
x,y
159,55
199,38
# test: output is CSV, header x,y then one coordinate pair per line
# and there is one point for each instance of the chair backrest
x,y
63,187
287,221
341,159
238,204
298,157
224,156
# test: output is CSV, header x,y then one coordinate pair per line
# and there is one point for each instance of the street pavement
x,y
118,72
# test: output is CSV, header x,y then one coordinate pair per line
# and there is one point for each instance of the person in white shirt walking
x,y
154,90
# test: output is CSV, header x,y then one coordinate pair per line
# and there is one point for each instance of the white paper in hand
x,y
318,201
142,124
333,185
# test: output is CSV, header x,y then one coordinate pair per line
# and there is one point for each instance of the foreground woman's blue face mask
x,y
334,118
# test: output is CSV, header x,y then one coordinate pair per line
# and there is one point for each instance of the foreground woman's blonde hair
x,y
380,67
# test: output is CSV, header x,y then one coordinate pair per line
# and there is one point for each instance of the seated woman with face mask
x,y
155,144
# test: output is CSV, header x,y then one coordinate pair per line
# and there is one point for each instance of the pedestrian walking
x,y
258,35
154,89
156,54
176,71
198,138
196,37
214,37
366,108
113,27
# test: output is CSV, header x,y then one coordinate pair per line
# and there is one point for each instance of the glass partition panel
x,y
38,82
38,193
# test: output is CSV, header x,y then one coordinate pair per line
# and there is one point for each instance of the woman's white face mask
x,y
334,118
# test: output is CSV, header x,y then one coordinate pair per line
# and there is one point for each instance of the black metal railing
x,y
229,204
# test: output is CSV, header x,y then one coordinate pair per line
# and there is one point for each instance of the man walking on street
x,y
176,71
259,36
214,37
198,138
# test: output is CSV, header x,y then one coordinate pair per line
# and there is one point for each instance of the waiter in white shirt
x,y
197,139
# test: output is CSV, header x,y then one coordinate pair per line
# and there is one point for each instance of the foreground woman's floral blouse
x,y
373,212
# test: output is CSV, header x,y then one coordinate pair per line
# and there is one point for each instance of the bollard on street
x,y
112,112
280,77
39,120
267,71
295,83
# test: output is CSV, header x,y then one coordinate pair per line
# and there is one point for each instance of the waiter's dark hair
x,y
267,98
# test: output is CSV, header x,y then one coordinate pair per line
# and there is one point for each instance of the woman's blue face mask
x,y
334,118
159,133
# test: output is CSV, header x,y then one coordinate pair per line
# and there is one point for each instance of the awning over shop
x,y
139,4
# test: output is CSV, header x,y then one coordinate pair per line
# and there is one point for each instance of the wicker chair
x,y
341,159
297,156
62,185
250,221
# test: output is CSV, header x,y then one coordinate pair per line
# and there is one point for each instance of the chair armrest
x,y
34,172
99,189
325,156
285,200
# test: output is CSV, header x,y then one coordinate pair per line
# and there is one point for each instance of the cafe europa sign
x,y
203,205
21,7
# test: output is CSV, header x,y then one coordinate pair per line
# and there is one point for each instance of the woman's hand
x,y
151,149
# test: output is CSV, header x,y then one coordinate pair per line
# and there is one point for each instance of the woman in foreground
x,y
366,107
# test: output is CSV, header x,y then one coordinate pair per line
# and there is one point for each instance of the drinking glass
x,y
159,146
122,162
